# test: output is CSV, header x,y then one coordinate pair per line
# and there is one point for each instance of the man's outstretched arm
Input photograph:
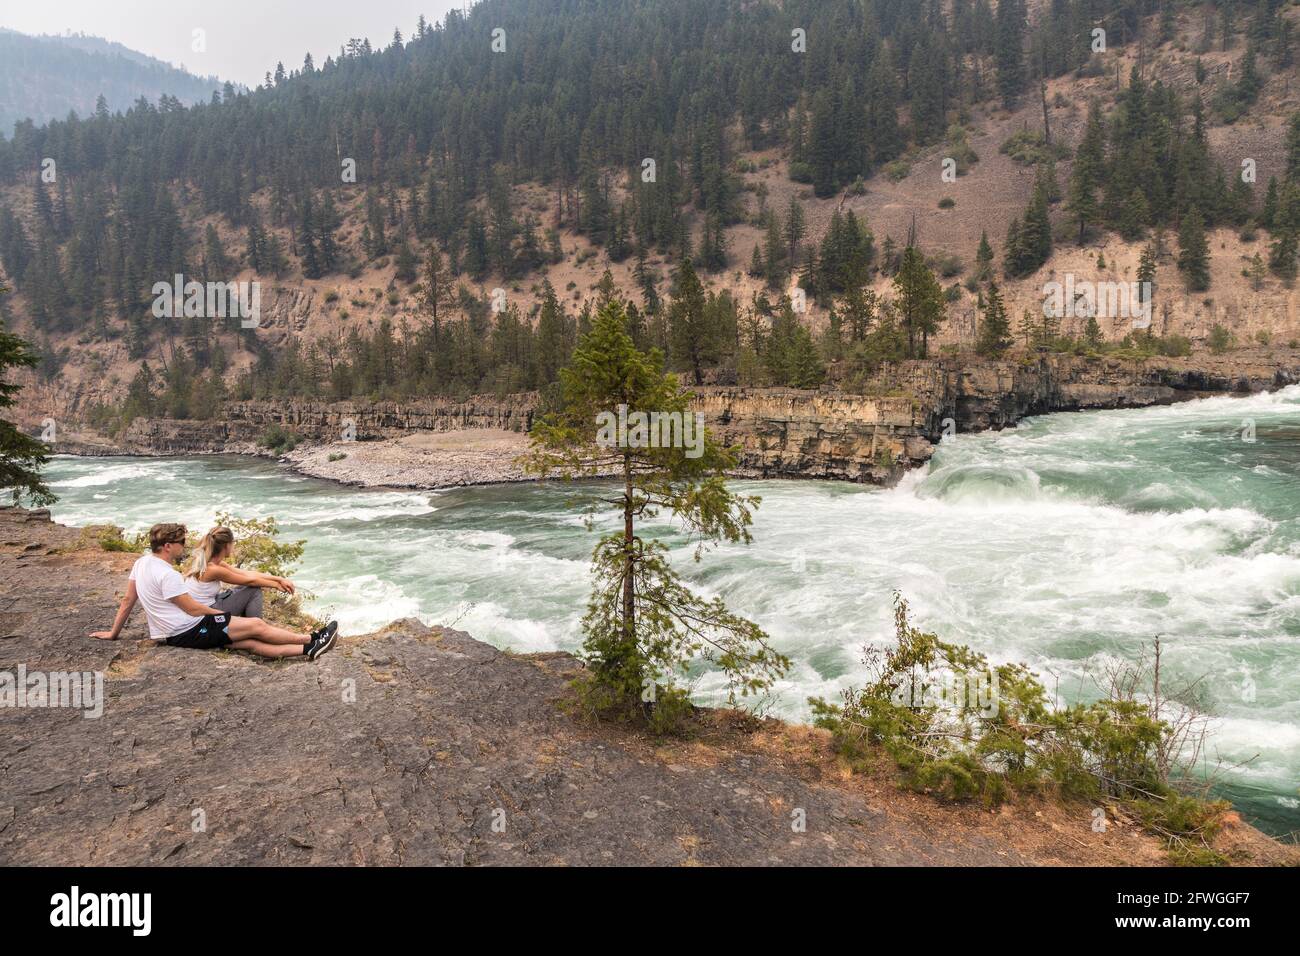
x,y
192,607
123,612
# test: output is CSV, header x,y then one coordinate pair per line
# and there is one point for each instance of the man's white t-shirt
x,y
155,582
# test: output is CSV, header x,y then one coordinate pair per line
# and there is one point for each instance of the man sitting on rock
x,y
177,618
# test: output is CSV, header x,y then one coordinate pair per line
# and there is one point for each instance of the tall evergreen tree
x,y
1194,252
643,624
995,329
920,301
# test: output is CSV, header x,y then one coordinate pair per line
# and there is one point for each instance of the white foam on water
x,y
108,476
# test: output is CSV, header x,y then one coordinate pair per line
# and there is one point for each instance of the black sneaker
x,y
322,640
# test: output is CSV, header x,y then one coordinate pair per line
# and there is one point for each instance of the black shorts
x,y
208,633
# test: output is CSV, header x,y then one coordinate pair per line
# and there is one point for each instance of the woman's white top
x,y
205,592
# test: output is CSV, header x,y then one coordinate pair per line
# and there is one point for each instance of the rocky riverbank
x,y
420,745
873,436
481,456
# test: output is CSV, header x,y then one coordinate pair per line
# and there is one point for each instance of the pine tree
x,y
1258,272
1092,334
984,258
995,329
21,456
1014,258
1010,27
255,245
646,281
643,623
312,267
435,289
822,142
694,341
274,260
1194,252
553,337
920,301
327,224
1089,160
1146,273
774,249
406,263
216,265
795,228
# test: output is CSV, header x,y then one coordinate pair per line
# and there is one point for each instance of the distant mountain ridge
x,y
45,77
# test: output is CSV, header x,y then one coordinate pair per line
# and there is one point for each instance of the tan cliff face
x,y
781,432
795,433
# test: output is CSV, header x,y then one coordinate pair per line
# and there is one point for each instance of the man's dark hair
x,y
164,534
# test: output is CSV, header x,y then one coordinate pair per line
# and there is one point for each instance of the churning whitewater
x,y
1068,543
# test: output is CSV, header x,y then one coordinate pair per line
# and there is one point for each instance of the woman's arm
x,y
254,579
123,612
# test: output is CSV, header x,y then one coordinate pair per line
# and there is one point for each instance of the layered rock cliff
x,y
871,437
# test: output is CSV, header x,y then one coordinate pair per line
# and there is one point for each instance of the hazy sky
x,y
244,38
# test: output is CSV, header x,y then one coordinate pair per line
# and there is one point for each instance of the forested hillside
x,y
47,77
434,215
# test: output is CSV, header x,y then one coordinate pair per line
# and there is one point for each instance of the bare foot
x,y
103,635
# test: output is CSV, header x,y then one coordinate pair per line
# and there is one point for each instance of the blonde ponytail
x,y
212,544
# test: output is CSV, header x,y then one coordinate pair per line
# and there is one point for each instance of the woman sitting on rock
x,y
211,581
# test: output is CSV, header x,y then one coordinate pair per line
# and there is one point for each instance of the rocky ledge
x,y
421,745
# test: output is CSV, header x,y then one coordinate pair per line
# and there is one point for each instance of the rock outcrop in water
x,y
871,437
421,745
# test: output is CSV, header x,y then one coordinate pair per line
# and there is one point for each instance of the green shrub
x,y
1029,148
962,729
1186,824
897,170
1174,346
257,546
947,265
276,439
111,538
958,149
1220,339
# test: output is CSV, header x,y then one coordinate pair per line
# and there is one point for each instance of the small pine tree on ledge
x,y
643,623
